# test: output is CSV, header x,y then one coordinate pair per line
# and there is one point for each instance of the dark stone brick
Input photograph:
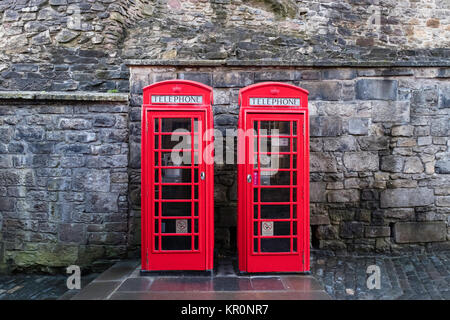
x,y
375,89
232,79
322,126
351,229
72,232
412,232
326,90
202,77
6,204
443,166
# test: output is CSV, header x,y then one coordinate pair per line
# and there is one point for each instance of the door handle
x,y
202,175
249,178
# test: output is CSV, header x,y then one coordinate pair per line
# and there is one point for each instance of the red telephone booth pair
x,y
177,188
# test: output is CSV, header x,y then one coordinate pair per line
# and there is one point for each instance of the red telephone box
x,y
273,178
177,177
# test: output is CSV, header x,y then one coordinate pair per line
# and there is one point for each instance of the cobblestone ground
x,y
36,287
406,277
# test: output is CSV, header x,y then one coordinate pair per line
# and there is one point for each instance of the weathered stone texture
x,y
55,192
413,232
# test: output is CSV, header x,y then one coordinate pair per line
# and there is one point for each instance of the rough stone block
x,y
343,195
316,220
317,192
72,232
377,231
402,131
351,229
100,202
325,90
375,89
396,112
361,161
358,126
373,143
325,126
406,197
91,180
414,232
322,162
443,201
443,166
202,77
413,165
341,144
392,163
232,79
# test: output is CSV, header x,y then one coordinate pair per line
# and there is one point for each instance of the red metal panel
x,y
177,195
273,205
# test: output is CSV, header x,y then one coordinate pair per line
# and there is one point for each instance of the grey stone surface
x,y
413,232
405,197
375,89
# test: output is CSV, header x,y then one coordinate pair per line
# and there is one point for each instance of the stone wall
x,y
80,44
63,180
380,152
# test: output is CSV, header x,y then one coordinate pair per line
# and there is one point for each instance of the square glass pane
x,y
281,228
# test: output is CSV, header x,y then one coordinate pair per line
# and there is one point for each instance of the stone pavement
x,y
35,286
124,282
410,276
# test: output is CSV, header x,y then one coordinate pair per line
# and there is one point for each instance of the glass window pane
x,y
180,209
276,127
276,144
275,244
176,242
176,175
275,161
275,195
176,192
156,125
176,226
172,124
275,212
275,178
176,141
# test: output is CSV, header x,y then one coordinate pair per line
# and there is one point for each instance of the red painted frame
x,y
201,259
250,261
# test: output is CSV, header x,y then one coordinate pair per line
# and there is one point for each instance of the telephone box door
x,y
273,174
177,187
